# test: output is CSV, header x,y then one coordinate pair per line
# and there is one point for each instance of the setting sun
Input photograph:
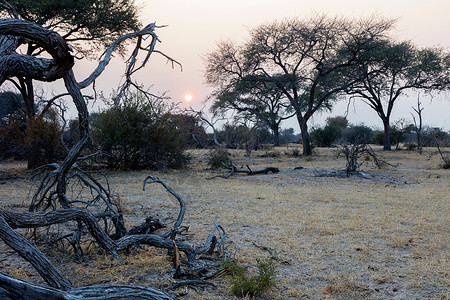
x,y
188,97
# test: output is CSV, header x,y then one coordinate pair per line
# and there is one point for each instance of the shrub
x,y
12,136
378,137
44,137
431,136
327,136
357,134
245,285
410,146
219,159
139,134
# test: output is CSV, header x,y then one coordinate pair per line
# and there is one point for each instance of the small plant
x,y
219,159
245,285
296,153
410,146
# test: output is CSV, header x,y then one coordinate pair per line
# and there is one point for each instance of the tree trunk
x,y
276,135
12,289
306,142
387,135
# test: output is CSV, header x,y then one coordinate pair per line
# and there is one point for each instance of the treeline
x,y
338,130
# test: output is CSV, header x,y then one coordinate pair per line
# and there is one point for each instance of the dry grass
x,y
384,237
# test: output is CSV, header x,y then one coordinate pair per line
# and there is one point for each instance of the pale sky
x,y
196,26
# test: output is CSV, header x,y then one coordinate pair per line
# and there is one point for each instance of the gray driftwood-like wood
x,y
13,64
233,170
13,289
56,63
33,255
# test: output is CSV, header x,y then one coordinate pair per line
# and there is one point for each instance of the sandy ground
x,y
385,235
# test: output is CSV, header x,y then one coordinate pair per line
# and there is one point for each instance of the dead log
x,y
233,170
33,255
12,289
151,224
268,170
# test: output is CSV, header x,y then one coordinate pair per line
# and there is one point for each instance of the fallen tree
x,y
234,170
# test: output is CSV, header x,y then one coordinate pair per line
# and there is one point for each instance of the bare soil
x,y
383,235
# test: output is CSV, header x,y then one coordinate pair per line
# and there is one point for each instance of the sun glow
x,y
188,97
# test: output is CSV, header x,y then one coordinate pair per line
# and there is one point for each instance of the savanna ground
x,y
385,236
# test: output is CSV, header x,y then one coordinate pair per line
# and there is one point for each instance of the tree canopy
x,y
394,68
308,61
98,21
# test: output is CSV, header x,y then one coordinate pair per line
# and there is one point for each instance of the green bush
x,y
245,285
358,134
139,134
327,136
378,137
219,159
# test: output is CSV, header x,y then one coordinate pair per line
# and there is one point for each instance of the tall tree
x,y
87,25
307,61
259,101
394,68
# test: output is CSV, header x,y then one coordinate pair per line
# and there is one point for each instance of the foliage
x,y
12,136
337,121
308,62
242,136
246,285
287,135
259,102
357,134
137,134
393,68
17,139
88,25
219,159
43,135
98,21
433,135
10,103
378,137
326,136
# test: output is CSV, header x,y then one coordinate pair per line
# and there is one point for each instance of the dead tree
x,y
418,124
51,203
353,152
234,170
445,158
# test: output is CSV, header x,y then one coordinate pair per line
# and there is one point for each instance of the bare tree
x,y
418,124
98,22
51,203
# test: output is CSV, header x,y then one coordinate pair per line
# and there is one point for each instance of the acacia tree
x,y
306,60
259,101
393,68
88,25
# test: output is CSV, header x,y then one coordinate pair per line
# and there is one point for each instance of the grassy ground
x,y
383,236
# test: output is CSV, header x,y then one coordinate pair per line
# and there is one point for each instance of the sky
x,y
194,27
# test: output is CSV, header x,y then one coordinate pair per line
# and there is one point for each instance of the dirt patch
x,y
384,235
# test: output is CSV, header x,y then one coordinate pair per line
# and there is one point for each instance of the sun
x,y
188,97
